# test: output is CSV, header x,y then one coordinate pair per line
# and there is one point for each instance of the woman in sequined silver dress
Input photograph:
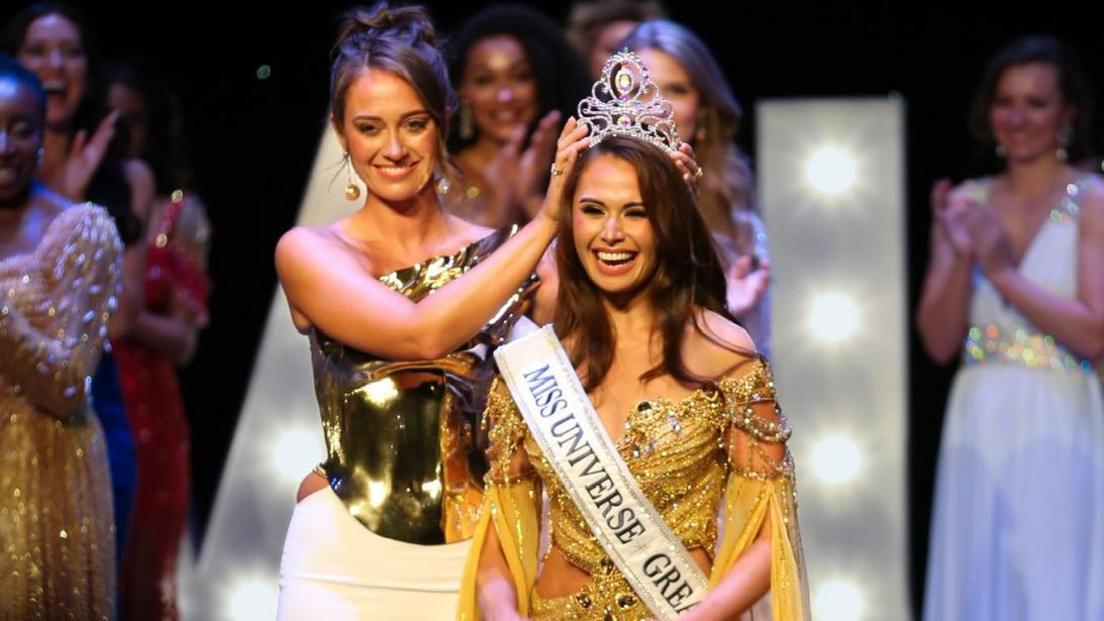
x,y
383,525
1016,283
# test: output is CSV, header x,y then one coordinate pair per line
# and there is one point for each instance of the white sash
x,y
563,422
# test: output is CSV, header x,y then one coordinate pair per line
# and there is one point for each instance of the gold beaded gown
x,y
704,457
57,556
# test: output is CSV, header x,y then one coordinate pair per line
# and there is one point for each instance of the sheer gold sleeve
x,y
54,339
758,431
761,492
511,500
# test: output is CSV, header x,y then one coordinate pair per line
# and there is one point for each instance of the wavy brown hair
x,y
688,273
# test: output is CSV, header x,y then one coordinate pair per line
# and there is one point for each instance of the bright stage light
x,y
836,459
833,317
832,187
251,597
294,452
838,600
831,170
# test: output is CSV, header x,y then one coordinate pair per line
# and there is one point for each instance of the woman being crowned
x,y
643,415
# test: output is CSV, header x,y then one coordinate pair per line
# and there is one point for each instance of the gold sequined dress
x,y
696,460
1018,514
57,556
405,464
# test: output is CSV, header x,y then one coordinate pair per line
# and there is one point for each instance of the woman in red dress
x,y
164,338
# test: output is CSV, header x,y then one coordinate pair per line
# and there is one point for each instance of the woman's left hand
x,y
687,163
991,245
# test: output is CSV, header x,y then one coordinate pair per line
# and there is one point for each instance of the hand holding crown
x,y
623,102
626,102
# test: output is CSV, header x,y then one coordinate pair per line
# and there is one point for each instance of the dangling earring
x,y
1065,136
41,157
443,185
1001,151
352,191
466,125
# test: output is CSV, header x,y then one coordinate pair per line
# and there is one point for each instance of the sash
x,y
567,429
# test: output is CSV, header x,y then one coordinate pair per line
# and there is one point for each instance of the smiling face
x,y
20,137
500,85
613,235
1028,112
54,51
391,138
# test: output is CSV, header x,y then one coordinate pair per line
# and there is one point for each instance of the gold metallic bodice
x,y
401,437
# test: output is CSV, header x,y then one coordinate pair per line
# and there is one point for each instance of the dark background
x,y
253,142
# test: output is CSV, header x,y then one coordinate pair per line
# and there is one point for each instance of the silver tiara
x,y
626,102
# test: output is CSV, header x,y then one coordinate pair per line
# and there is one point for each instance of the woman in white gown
x,y
1016,280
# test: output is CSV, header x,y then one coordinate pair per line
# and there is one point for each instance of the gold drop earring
x,y
352,191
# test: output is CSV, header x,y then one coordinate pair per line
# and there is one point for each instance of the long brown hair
x,y
688,272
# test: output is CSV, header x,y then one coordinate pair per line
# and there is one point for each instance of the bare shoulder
x,y
726,334
305,245
720,345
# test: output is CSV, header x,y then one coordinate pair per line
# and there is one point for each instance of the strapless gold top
x,y
403,447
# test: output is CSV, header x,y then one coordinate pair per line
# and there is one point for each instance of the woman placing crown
x,y
653,417
382,527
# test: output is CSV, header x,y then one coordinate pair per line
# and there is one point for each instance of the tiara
x,y
626,102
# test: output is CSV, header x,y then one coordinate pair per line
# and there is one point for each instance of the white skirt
x,y
1018,521
334,568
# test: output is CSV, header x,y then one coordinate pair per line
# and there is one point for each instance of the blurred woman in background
x,y
708,117
1015,282
517,79
59,276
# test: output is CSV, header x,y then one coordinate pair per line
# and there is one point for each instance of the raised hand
x,y
573,139
687,163
85,156
950,208
991,245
